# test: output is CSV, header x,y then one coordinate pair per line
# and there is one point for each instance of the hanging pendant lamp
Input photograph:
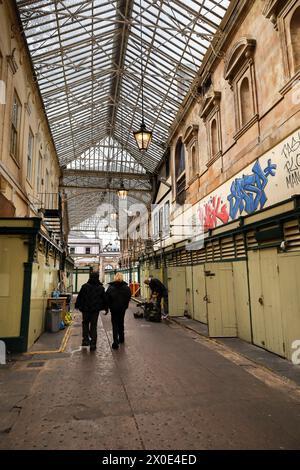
x,y
142,136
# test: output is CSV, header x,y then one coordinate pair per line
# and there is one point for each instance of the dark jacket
x,y
91,297
118,296
157,286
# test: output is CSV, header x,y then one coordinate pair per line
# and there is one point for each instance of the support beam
x,y
106,174
92,189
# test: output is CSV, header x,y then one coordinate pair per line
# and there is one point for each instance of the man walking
x,y
91,299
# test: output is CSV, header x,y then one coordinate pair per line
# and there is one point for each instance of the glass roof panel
x,y
89,58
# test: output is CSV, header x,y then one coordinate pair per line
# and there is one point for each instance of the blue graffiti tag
x,y
248,193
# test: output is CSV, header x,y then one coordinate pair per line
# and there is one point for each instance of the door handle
x,y
197,291
206,299
261,300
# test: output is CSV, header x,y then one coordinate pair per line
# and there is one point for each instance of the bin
x,y
53,319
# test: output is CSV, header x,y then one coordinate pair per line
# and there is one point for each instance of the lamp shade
x,y
122,193
143,138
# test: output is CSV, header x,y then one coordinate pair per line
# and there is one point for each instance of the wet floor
x,y
163,389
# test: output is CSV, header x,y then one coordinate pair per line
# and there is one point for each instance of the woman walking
x,y
118,296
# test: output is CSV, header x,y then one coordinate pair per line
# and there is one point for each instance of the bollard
x,y
2,353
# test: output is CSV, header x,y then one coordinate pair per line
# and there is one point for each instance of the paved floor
x,y
258,355
165,388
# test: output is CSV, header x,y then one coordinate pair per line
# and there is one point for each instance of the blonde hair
x,y
119,277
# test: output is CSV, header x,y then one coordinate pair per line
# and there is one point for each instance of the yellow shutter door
x,y
189,290
199,294
241,295
177,291
265,300
256,295
289,274
220,300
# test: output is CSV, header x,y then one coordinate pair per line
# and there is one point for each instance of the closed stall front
x,y
241,299
189,291
144,274
13,255
289,275
220,299
275,299
265,300
44,280
199,294
177,291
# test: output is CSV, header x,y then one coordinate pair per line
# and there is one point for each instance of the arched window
x,y
214,138
194,161
245,101
179,158
295,38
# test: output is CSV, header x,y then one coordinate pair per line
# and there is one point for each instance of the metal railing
x,y
49,201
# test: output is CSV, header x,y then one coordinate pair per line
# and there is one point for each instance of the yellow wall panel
x,y
44,281
221,302
241,296
189,290
177,291
199,294
265,300
257,312
13,255
289,273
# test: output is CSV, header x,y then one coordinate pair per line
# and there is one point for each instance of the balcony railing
x,y
49,201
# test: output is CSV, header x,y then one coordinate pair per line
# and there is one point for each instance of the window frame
x,y
15,128
280,15
39,173
209,112
30,174
239,64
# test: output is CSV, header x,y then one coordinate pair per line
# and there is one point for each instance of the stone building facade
x,y
33,226
231,257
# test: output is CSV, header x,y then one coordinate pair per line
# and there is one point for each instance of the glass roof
x,y
89,57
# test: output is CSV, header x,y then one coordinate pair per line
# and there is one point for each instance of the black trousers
x,y
166,303
117,321
89,326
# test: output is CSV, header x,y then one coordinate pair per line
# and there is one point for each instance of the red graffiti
x,y
211,212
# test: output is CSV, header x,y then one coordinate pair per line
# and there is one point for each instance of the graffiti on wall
x,y
247,194
272,178
291,154
213,211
